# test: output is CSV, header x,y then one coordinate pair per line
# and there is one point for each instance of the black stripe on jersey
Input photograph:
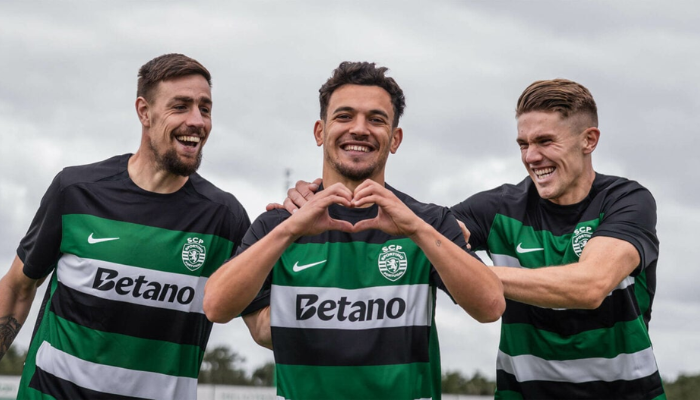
x,y
131,319
121,200
62,389
639,389
336,347
571,322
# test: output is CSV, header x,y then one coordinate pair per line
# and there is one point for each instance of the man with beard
x,y
348,281
131,241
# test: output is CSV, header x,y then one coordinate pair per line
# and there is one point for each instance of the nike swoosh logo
x,y
521,250
297,267
92,240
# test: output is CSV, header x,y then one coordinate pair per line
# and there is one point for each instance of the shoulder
x,y
98,171
427,211
615,188
211,192
489,201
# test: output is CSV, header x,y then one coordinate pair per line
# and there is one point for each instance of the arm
x,y
604,263
17,292
471,283
258,324
233,286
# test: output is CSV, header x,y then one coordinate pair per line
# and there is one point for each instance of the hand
x,y
312,218
297,196
393,216
465,232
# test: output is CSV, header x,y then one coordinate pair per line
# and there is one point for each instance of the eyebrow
x,y
376,111
188,99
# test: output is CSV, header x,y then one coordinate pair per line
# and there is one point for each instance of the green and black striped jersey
x,y
352,315
122,317
604,353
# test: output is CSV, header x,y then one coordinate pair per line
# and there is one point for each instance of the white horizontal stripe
x,y
623,367
81,274
416,299
113,380
501,260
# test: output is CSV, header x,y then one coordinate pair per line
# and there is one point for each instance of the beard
x,y
170,161
356,174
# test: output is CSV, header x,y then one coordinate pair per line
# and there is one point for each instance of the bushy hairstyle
x,y
167,66
563,96
366,74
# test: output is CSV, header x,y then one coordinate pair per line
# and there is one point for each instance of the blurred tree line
x,y
224,366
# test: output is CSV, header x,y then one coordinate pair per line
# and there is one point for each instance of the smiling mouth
x,y
542,173
356,147
191,141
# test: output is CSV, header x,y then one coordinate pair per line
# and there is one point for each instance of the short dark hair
x,y
366,74
167,66
563,96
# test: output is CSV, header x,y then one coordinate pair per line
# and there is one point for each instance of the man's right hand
x,y
297,196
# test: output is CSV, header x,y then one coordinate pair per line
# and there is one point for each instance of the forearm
x,y
471,283
605,262
16,295
236,283
258,324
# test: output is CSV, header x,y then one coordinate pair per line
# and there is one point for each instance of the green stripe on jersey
x,y
338,263
142,246
624,337
507,234
352,382
163,357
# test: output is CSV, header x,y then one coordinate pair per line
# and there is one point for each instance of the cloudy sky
x,y
68,83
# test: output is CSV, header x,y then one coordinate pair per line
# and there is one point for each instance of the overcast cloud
x,y
68,83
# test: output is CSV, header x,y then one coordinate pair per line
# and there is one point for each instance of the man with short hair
x,y
131,241
576,251
348,281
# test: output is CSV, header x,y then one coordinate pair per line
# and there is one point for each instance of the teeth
x,y
542,172
193,139
357,148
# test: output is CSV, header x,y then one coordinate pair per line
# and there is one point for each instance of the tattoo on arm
x,y
9,328
438,243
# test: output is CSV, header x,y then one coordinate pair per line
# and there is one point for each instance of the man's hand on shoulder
x,y
297,196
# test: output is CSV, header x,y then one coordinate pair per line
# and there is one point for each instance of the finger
x,y
304,189
464,229
273,206
290,206
315,184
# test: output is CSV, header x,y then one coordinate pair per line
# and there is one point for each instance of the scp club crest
x,y
194,253
392,262
580,238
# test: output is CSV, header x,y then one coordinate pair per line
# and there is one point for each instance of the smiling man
x,y
131,241
348,281
577,252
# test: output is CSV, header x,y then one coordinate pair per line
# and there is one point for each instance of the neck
x,y
144,172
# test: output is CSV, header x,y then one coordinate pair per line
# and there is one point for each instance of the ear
x,y
396,139
590,139
318,132
143,111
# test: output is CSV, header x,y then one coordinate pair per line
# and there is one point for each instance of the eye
x,y
523,146
205,110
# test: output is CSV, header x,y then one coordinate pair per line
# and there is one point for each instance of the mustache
x,y
188,131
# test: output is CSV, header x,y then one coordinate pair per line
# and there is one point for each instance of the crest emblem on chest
x,y
392,262
580,238
194,253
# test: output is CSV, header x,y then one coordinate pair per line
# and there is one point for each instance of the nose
x,y
359,126
195,118
532,155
